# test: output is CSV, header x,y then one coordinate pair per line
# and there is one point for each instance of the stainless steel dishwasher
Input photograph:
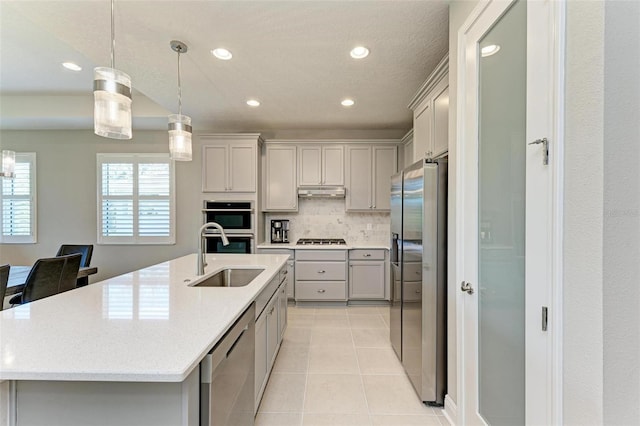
x,y
227,376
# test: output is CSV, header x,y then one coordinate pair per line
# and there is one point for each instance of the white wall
x,y
622,213
583,225
66,198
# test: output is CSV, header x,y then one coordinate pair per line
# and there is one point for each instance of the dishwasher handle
x,y
246,327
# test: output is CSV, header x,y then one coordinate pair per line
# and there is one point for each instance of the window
x,y
136,202
18,202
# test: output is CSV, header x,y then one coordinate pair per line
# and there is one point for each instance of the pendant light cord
x,y
179,86
113,38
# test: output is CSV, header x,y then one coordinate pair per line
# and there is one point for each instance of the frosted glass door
x,y
501,219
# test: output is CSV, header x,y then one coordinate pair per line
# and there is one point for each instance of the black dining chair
x,y
4,279
86,250
70,272
45,278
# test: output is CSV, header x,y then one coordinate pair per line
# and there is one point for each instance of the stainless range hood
x,y
321,192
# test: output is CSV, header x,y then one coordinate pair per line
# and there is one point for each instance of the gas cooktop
x,y
321,241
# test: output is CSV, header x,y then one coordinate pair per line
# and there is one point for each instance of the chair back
x,y
69,272
85,250
4,279
43,279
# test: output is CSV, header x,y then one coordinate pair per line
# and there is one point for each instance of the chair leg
x,y
81,282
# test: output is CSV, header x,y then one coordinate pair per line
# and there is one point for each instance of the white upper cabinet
x,y
280,178
441,120
368,172
320,165
385,164
431,115
230,162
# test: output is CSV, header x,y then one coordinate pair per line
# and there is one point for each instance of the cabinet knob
x,y
374,206
321,290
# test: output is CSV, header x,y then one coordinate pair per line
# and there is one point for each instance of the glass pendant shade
x,y
112,103
180,137
8,164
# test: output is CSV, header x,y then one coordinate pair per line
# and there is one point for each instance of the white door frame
x,y
555,39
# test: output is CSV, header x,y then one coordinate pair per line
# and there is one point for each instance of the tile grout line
x,y
364,392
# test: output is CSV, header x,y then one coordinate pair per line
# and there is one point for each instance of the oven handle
x,y
227,210
217,234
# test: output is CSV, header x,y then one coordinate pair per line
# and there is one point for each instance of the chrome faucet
x,y
202,262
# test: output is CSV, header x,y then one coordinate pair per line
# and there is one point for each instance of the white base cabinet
x,y
321,275
270,326
74,403
290,271
368,277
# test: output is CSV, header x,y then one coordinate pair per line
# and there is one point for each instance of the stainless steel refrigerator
x,y
419,275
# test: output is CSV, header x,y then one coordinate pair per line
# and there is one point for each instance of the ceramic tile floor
x,y
336,367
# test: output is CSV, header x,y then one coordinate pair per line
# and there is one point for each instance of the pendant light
x,y
112,97
179,125
8,164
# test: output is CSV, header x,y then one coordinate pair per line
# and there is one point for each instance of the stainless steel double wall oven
x,y
239,222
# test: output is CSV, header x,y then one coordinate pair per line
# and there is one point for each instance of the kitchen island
x,y
125,350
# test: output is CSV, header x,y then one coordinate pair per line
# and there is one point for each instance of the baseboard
x,y
450,410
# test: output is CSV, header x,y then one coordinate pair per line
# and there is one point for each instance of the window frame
x,y
32,238
136,159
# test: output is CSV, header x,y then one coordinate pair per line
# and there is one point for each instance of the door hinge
x,y
545,314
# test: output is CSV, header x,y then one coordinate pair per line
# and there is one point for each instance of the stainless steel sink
x,y
230,277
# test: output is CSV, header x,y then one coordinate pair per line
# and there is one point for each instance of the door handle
x,y
545,144
466,287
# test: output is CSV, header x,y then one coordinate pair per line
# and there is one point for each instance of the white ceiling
x,y
291,55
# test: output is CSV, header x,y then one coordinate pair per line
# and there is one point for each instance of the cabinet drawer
x,y
321,290
363,254
321,255
321,271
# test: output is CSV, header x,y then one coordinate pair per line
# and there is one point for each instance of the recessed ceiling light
x,y
489,50
359,52
222,53
71,66
347,102
253,103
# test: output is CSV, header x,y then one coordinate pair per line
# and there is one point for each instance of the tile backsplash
x,y
327,218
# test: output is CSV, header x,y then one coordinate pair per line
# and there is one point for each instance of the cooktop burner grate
x,y
321,241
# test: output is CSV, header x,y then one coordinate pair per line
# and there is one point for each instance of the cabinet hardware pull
x,y
321,272
321,290
367,255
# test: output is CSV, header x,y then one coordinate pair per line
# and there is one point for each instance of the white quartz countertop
x,y
294,246
144,326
